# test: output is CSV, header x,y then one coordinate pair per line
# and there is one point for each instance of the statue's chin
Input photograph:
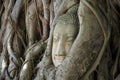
x,y
58,62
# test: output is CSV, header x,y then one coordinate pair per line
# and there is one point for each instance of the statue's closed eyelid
x,y
70,38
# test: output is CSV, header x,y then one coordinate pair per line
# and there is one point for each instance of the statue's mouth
x,y
59,58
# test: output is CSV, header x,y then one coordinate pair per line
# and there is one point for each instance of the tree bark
x,y
27,26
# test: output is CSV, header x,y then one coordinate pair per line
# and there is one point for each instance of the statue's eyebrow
x,y
70,35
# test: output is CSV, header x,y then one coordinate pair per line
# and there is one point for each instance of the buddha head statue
x,y
65,32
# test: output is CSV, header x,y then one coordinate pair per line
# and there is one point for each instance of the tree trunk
x,y
26,39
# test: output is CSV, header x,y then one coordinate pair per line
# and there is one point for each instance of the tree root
x,y
46,19
114,68
45,25
5,64
105,43
12,54
7,13
33,28
8,29
32,54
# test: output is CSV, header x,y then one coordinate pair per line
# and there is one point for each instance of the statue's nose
x,y
60,49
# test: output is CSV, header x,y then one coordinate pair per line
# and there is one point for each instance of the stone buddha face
x,y
63,37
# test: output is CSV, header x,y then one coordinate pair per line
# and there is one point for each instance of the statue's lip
x,y
59,57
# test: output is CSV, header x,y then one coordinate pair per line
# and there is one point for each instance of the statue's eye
x,y
70,39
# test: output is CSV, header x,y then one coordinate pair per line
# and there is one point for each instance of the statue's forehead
x,y
61,29
64,26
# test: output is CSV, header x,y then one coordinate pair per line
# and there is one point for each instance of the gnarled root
x,y
106,34
32,55
33,24
8,32
14,57
5,64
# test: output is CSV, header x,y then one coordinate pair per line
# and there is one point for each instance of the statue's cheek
x,y
68,46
